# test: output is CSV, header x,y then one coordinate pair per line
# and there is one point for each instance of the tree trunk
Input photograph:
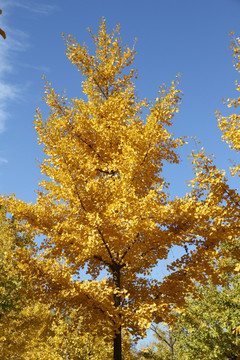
x,y
117,346
117,341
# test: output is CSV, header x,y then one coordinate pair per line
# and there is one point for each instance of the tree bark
x,y
117,345
117,342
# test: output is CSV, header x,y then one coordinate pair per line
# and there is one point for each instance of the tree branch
x,y
105,244
130,246
98,257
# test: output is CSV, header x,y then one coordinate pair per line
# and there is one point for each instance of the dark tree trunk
x,y
117,346
117,342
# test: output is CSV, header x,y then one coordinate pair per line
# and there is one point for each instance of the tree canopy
x,y
103,205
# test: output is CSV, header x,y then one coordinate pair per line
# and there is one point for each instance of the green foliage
x,y
208,329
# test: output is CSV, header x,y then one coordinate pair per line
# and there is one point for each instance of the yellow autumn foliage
x,y
103,203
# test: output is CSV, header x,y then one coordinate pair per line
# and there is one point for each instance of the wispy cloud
x,y
31,5
41,68
2,160
16,41
7,92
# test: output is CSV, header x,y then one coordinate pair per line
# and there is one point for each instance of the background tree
x,y
208,327
12,283
25,334
163,348
104,204
35,332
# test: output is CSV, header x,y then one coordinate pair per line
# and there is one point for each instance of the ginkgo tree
x,y
103,205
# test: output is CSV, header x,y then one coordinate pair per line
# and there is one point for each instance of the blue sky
x,y
175,36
